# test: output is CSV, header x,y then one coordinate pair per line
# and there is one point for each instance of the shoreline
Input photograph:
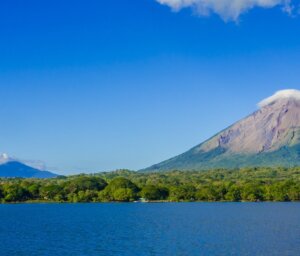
x,y
148,202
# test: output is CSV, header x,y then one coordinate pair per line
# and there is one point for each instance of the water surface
x,y
150,229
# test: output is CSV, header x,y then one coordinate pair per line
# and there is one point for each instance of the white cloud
x,y
227,9
284,94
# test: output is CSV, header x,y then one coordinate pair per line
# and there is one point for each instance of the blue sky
x,y
100,85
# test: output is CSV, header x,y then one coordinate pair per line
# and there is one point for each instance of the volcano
x,y
268,137
14,168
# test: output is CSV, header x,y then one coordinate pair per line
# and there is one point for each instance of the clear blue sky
x,y
99,85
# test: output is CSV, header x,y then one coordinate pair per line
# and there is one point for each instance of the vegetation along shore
x,y
247,184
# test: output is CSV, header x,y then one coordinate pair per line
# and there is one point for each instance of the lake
x,y
150,229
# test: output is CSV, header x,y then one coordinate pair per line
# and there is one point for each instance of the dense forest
x,y
247,184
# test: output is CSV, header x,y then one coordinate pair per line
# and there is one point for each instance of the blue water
x,y
150,229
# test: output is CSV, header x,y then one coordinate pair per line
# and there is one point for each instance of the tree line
x,y
247,184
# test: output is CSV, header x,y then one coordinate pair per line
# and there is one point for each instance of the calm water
x,y
150,229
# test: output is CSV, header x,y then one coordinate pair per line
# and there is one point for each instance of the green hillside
x,y
221,158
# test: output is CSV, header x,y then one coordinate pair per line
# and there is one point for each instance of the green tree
x,y
1,193
151,192
51,191
83,183
124,195
120,188
183,193
202,194
252,192
15,193
34,190
234,194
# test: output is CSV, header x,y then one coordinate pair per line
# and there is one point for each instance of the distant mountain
x,y
268,137
10,168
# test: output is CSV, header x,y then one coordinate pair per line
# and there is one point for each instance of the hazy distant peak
x,y
13,167
279,95
4,158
